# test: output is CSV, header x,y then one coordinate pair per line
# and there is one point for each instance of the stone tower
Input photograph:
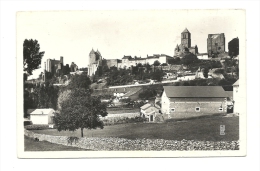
x,y
92,57
215,44
95,62
186,38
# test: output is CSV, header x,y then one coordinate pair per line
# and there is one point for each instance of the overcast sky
x,y
117,33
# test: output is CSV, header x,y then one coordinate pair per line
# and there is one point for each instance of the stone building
x,y
129,61
52,65
73,67
95,62
193,101
185,45
215,44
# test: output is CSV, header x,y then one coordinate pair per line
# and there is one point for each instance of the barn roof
x,y
41,111
194,91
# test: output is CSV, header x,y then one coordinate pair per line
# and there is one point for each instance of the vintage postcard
x,y
133,83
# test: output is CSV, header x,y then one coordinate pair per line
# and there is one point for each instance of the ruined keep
x,y
215,44
52,66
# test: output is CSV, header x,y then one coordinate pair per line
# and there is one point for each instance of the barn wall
x,y
187,110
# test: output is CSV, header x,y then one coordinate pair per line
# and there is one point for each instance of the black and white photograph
x,y
131,83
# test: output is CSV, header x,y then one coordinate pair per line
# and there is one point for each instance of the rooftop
x,y
146,106
194,91
42,111
185,31
236,83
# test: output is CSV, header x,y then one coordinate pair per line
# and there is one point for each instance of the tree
x,y
80,111
189,59
206,72
27,102
174,61
79,81
157,75
147,66
139,65
147,94
219,71
156,63
31,55
46,96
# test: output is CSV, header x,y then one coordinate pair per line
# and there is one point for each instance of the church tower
x,y
186,38
95,62
92,57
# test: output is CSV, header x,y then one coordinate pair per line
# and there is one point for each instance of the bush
x,y
115,121
25,123
36,127
219,71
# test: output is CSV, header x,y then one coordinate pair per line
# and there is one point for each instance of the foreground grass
x,y
31,145
203,129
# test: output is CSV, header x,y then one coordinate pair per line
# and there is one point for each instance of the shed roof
x,y
236,83
145,106
30,111
194,91
41,111
151,109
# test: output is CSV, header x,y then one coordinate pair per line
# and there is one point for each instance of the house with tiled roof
x,y
150,112
193,101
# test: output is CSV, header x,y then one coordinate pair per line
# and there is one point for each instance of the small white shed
x,y
42,116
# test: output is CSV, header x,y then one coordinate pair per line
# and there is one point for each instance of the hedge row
x,y
36,127
121,120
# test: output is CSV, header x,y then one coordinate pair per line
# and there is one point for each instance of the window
x,y
197,109
172,109
220,109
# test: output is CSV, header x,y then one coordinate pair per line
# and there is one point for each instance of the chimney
x,y
61,59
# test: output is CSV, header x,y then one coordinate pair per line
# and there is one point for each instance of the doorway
x,y
151,118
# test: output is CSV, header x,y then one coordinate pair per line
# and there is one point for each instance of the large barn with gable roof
x,y
193,101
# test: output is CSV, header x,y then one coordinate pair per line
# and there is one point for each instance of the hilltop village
x,y
156,87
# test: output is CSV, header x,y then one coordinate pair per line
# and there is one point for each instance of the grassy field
x,y
31,145
203,129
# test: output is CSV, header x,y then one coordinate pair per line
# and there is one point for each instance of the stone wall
x,y
123,115
122,144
